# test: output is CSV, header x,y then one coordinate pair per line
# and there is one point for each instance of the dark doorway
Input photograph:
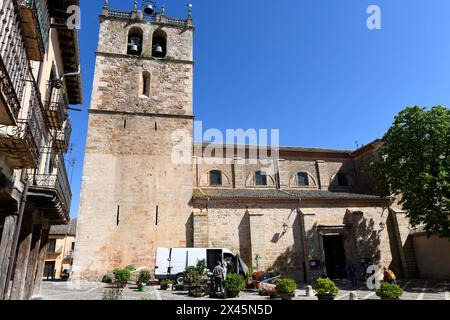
x,y
49,270
334,257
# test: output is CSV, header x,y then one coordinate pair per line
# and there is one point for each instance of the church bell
x,y
158,52
134,46
149,9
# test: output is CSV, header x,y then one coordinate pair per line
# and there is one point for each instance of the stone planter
x,y
325,296
232,294
286,296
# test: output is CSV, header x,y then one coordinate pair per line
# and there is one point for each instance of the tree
x,y
414,166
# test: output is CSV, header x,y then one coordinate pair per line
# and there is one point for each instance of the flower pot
x,y
232,294
286,296
325,296
163,287
141,288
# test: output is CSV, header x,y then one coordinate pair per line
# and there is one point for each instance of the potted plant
x,y
107,279
141,286
234,284
326,289
144,277
166,284
249,279
122,276
258,276
192,279
389,291
286,288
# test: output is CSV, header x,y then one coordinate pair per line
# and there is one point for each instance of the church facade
x,y
313,212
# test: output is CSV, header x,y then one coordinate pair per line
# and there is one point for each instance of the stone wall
x,y
133,197
258,230
433,256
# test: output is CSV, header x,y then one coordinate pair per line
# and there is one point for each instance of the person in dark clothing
x,y
351,271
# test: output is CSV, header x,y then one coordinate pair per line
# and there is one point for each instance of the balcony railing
x,y
55,104
149,18
36,25
54,250
63,137
68,257
20,144
14,65
56,182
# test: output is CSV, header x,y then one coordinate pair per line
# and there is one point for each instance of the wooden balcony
x,y
55,105
35,25
20,144
50,192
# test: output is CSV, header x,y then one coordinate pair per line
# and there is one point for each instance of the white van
x,y
172,262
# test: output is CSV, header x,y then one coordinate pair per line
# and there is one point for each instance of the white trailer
x,y
172,262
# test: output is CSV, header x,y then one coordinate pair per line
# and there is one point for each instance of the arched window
x,y
260,178
215,178
302,179
145,84
134,46
159,44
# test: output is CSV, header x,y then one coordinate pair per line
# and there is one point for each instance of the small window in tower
x,y
342,179
215,178
134,46
159,44
303,179
146,84
260,178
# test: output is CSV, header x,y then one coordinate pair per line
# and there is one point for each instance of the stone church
x,y
314,213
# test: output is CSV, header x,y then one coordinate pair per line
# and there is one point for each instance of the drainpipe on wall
x,y
12,256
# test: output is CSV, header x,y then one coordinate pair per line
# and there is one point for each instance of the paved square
x,y
413,290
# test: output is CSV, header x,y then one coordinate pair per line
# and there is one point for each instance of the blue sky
x,y
310,68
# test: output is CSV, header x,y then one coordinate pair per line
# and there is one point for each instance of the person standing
x,y
389,276
218,274
351,271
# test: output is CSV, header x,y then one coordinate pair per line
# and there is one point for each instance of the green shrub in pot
x,y
234,284
326,289
122,276
286,287
389,291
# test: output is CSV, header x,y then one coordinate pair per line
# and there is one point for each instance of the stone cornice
x,y
127,56
142,114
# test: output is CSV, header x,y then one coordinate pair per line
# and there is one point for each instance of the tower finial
x,y
105,5
189,10
163,10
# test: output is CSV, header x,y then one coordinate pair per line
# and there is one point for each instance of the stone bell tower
x,y
135,194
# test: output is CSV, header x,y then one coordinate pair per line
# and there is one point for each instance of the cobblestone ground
x,y
413,290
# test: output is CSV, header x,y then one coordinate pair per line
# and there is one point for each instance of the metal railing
x,y
51,250
55,103
149,18
14,65
29,129
57,181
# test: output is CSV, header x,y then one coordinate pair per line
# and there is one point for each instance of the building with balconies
x,y
40,76
59,258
